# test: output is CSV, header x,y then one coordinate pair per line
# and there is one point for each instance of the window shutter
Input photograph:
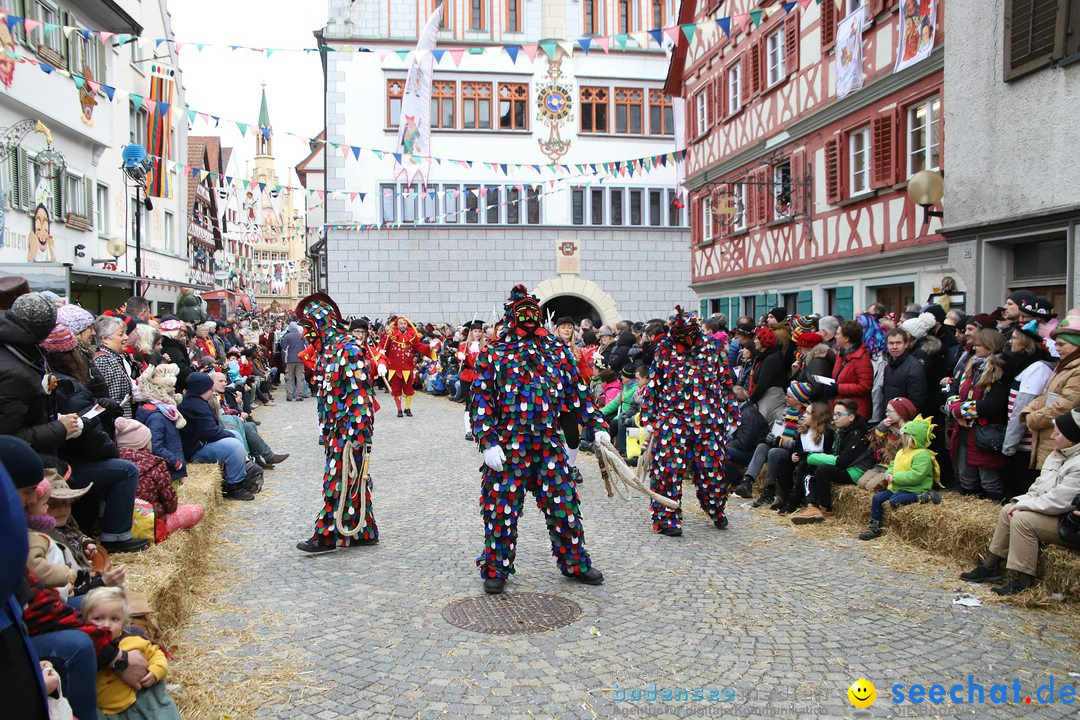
x,y
764,194
748,200
791,42
799,192
57,209
828,26
88,189
710,104
101,62
833,192
746,64
805,302
876,8
719,96
845,301
1034,34
755,69
69,45
883,142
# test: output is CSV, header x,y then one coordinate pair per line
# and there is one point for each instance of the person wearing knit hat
x,y
60,340
36,313
1067,330
765,336
1061,393
905,409
79,321
22,464
808,339
776,315
1014,302
937,312
916,327
803,391
1033,518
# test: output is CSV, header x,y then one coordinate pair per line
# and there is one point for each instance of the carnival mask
x,y
687,334
526,314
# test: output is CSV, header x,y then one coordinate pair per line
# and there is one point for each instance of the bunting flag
x,y
159,124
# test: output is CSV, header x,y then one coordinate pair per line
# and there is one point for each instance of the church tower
x,y
264,146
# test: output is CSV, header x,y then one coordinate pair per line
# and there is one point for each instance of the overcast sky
x,y
227,83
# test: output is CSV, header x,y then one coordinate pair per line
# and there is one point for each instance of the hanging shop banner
x,y
918,25
849,53
414,124
159,128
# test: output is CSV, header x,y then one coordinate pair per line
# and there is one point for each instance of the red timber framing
x,y
783,163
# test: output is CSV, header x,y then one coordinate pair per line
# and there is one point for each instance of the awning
x,y
117,278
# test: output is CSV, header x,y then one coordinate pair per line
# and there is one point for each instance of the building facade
x,y
206,224
1011,189
75,227
451,243
797,180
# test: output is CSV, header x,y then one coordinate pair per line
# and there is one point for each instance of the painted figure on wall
x,y
40,248
7,59
87,101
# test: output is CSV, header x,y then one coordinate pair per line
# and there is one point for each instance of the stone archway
x,y
585,289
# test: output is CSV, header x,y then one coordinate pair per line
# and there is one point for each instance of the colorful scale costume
x,y
691,406
525,379
347,415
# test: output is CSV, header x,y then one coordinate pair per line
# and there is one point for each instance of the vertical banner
x,y
678,115
159,130
414,124
849,53
918,25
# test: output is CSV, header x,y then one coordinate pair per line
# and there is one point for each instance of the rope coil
x,y
353,478
611,464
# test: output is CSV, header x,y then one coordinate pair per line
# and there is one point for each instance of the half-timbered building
x,y
797,196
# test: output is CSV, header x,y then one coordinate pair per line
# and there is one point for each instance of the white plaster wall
x,y
1009,147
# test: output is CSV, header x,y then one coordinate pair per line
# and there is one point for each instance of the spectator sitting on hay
x,y
1034,516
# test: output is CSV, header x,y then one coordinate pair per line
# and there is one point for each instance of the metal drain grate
x,y
511,613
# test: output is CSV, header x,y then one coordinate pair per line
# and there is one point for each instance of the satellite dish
x,y
116,246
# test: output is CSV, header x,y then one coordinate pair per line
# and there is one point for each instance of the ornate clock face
x,y
553,102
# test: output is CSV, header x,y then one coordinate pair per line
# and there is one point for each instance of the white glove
x,y
602,437
382,371
461,356
494,457
647,429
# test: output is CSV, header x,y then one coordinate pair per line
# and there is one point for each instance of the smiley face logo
x,y
862,693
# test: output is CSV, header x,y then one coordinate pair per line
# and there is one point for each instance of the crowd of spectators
x,y
100,419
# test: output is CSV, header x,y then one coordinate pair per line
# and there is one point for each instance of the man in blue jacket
x,y
206,441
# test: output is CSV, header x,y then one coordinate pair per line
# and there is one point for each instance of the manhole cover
x,y
511,613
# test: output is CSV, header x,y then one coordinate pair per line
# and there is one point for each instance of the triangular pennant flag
x,y
512,51
548,46
456,54
530,51
772,10
31,25
104,36
438,55
402,54
788,7
200,46
242,127
476,51
503,166
191,115
11,21
362,196
68,30
585,43
689,30
79,81
356,152
268,51
803,4
345,151
621,39
94,86
382,54
658,36
150,104
604,42
136,101
725,25
397,158
378,153
109,91
755,17
742,20
672,34
641,39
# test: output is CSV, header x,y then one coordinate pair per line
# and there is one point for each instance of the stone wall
x,y
452,273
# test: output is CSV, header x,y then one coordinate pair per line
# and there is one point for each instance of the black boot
x,y
592,577
670,531
765,499
983,574
745,489
363,541
576,474
721,522
874,531
408,412
311,545
125,546
400,414
494,585
1019,584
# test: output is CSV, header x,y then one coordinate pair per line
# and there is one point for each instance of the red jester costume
x,y
525,380
401,343
347,416
690,404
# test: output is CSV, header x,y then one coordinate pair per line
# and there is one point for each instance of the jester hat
x,y
320,312
683,330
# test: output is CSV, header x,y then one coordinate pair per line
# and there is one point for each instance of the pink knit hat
x,y
131,434
61,339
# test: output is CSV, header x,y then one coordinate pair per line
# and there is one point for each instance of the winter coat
x,y
850,451
155,483
854,376
202,425
753,427
1029,374
25,409
178,355
608,392
622,401
768,371
818,361
292,343
117,372
1058,483
165,437
94,443
928,351
990,407
905,377
620,356
1040,413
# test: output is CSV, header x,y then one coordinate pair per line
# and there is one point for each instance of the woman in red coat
x,y
853,371
468,353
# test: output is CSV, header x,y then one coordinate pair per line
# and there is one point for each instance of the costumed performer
x,y
401,343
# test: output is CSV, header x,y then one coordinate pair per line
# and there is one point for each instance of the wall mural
x,y
554,103
87,101
40,246
7,56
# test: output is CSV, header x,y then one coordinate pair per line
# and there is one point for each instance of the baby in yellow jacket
x,y
107,607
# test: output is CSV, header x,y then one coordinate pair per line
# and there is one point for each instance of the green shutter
x,y
736,311
722,306
69,45
101,53
705,307
771,301
805,302
23,172
845,302
761,305
88,188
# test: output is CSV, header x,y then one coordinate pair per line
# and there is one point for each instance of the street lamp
x,y
926,188
136,164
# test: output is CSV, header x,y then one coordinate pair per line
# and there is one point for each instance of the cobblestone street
x,y
786,623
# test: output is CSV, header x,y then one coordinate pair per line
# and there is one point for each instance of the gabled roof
x,y
317,148
673,85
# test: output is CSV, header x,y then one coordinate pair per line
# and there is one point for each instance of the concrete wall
x,y
1009,145
448,273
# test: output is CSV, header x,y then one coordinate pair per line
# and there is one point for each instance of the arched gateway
x,y
560,291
